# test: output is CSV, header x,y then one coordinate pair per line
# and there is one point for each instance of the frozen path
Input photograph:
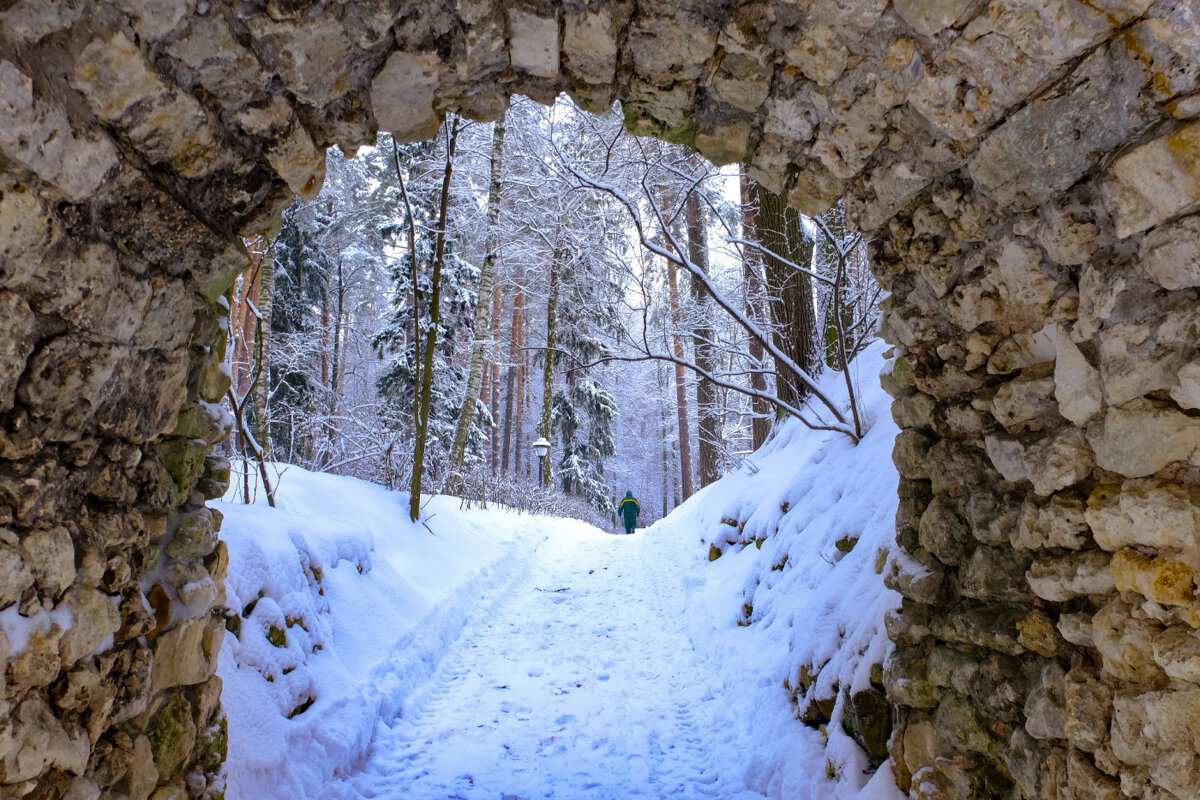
x,y
580,683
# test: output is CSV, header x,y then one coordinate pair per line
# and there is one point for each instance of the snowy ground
x,y
506,656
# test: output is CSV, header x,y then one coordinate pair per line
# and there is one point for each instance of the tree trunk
x,y
549,361
664,422
435,315
709,423
835,223
474,381
793,311
681,404
493,379
512,388
755,298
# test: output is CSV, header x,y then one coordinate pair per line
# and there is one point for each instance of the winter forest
x,y
441,306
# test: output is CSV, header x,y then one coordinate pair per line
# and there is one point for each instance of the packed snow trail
x,y
581,683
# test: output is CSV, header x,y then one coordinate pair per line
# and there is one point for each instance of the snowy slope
x,y
345,603
424,653
782,602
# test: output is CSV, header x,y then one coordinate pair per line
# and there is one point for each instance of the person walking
x,y
629,509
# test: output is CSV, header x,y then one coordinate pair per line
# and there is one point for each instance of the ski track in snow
x,y
581,683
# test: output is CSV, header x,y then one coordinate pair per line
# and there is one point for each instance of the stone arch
x,y
1029,173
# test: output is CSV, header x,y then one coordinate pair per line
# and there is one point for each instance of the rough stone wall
x,y
1027,168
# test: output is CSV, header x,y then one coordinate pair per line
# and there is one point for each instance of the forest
x,y
440,308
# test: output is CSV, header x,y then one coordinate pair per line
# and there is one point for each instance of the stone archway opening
x,y
1028,171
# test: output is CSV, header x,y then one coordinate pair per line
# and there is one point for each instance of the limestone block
x,y
1045,704
16,575
1186,390
994,573
1051,463
992,626
1171,254
914,411
1056,31
52,557
590,45
178,657
973,82
722,141
35,740
1141,437
227,70
911,454
1177,651
992,516
142,776
1144,513
1154,182
1067,233
402,95
1059,523
1039,634
193,533
1168,50
1085,782
16,344
1161,731
741,81
39,136
928,17
1056,130
96,618
1160,580
1076,628
172,734
1143,357
943,531
665,48
1127,644
819,55
1023,349
922,583
955,468
38,663
154,20
298,161
533,43
1026,404
1076,382
167,125
1079,574
311,55
31,21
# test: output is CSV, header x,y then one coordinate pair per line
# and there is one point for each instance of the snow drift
x,y
340,608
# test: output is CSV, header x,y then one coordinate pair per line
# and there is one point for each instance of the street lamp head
x,y
541,447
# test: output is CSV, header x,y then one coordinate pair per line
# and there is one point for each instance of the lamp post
x,y
541,447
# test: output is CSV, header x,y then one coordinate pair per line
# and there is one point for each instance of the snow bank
x,y
782,602
340,606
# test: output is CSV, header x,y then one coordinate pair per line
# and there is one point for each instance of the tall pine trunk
x,y
681,403
709,423
512,388
551,357
492,382
755,299
425,398
482,307
793,309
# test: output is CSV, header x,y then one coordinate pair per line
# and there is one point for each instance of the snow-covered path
x,y
581,683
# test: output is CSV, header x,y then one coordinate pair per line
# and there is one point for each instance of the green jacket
x,y
629,509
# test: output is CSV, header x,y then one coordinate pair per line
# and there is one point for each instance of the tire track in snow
x,y
580,683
